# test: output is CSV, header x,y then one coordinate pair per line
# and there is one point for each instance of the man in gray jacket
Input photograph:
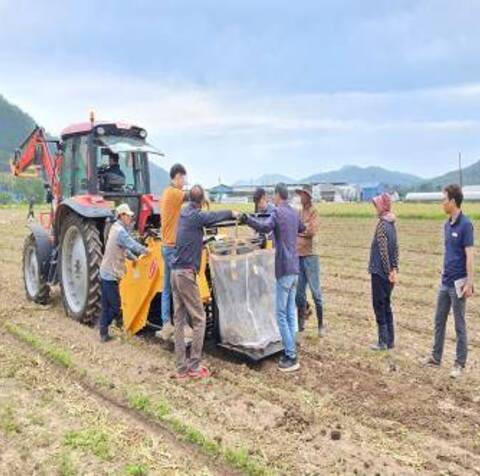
x,y
120,246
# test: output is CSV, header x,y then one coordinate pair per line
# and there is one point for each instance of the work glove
x,y
242,219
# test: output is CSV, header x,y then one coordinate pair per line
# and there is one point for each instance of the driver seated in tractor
x,y
112,178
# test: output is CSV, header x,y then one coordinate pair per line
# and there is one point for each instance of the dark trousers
x,y
110,304
381,300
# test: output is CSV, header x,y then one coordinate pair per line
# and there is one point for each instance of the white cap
x,y
124,209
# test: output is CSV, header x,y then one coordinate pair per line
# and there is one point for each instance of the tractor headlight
x,y
100,131
143,134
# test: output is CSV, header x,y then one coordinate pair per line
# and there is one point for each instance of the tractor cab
x,y
106,159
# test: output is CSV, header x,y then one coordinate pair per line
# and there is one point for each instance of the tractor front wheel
x,y
79,263
36,287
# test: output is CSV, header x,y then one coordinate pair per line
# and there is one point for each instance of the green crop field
x,y
432,211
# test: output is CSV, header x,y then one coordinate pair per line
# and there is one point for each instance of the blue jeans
x,y
286,313
110,304
168,253
447,299
309,274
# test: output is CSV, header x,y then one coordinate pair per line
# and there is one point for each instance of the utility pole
x,y
460,169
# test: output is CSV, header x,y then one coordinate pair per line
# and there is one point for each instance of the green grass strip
x,y
58,355
159,410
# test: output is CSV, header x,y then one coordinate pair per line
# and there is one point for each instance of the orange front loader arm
x,y
34,152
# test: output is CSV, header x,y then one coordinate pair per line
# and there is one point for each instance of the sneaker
x,y
378,347
283,359
430,362
321,331
288,365
202,372
167,332
457,371
105,338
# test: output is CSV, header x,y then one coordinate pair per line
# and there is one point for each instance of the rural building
x,y
471,193
370,190
326,192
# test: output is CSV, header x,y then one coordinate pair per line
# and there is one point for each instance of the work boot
x,y
382,339
321,327
118,320
105,338
301,319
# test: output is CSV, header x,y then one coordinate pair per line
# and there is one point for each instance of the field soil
x,y
347,411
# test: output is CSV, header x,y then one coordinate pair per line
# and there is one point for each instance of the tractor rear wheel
x,y
36,287
79,265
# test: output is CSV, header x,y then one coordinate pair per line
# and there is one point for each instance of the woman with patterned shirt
x,y
383,268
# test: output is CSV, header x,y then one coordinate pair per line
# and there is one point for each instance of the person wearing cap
x,y
172,200
285,223
383,268
309,262
187,302
120,245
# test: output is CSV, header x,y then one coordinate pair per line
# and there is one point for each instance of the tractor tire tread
x,y
43,295
93,249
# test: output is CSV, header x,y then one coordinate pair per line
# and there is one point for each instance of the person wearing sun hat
x,y
120,245
309,262
383,268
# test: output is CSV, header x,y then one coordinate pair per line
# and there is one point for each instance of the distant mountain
x,y
268,179
159,178
470,176
355,175
15,125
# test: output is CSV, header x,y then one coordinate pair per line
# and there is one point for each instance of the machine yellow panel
x,y
142,282
202,279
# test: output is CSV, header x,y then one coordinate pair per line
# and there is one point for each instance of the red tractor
x,y
93,167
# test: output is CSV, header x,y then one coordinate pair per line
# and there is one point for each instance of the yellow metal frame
x,y
142,282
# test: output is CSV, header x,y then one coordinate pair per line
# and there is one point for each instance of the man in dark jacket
x,y
383,267
285,223
186,294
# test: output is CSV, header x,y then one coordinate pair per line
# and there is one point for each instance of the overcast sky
x,y
236,89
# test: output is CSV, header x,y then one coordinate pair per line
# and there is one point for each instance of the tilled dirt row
x,y
49,424
390,415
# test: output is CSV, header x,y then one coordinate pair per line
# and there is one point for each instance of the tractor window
x,y
66,171
126,164
73,176
80,160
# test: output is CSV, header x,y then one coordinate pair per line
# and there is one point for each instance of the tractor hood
x,y
128,144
